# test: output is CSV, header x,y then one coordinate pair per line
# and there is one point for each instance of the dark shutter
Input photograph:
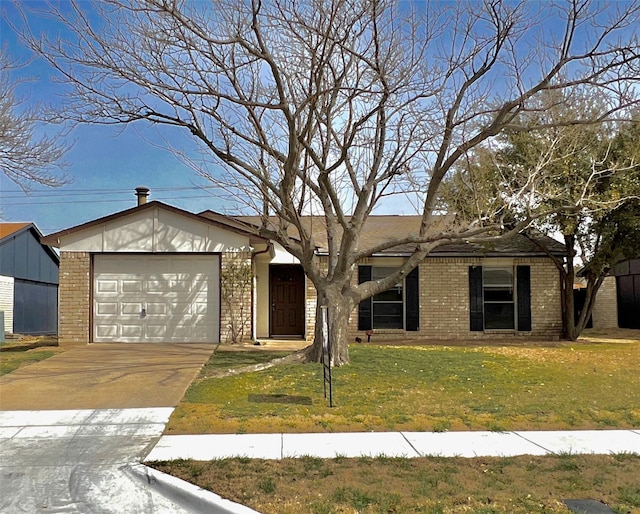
x,y
475,299
412,301
364,309
523,278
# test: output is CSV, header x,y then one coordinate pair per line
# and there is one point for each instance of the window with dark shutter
x,y
475,299
523,281
500,298
388,306
412,299
364,308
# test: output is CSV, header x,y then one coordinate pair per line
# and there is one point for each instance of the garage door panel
x,y
106,309
131,331
128,308
156,285
200,308
181,309
107,286
179,295
181,286
159,331
106,331
156,309
131,286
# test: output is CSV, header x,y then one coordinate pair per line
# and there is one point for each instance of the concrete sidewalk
x,y
395,444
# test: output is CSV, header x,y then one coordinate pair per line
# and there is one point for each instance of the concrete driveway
x,y
105,376
72,426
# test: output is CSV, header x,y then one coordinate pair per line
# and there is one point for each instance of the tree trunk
x,y
593,286
567,279
568,312
339,308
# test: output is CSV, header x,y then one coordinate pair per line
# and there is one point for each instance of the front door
x,y
287,301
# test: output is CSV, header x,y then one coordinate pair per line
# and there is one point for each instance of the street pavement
x,y
72,461
74,429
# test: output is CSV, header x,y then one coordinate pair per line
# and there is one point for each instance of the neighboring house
x,y
28,281
153,273
617,304
627,277
604,314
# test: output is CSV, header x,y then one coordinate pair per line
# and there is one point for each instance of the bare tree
x,y
26,158
334,107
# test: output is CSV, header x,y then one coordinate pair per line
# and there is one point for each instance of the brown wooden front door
x,y
287,300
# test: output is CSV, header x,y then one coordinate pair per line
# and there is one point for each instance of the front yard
x,y
564,385
592,384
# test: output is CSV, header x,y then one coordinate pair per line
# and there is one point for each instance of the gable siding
x,y
154,231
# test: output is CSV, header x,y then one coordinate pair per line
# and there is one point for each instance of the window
x,y
500,298
497,289
388,306
396,308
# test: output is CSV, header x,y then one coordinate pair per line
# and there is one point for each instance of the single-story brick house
x,y
156,273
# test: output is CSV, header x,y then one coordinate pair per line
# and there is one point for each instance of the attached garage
x,y
150,274
156,298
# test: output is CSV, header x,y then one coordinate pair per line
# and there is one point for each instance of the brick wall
x,y
444,302
605,309
73,291
546,303
236,297
310,310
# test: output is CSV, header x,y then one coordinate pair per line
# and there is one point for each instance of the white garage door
x,y
155,298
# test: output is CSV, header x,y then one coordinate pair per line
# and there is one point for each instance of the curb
x,y
189,496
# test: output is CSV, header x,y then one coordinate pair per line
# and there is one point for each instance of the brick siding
x,y
74,302
546,303
236,306
605,309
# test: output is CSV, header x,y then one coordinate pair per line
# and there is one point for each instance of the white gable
x,y
154,230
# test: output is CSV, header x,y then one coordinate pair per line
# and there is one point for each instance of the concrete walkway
x,y
395,444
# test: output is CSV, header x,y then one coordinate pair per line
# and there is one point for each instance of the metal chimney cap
x,y
142,192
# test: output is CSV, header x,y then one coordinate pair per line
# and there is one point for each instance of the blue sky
x,y
106,163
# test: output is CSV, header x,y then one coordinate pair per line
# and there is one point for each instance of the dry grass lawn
x,y
518,485
590,384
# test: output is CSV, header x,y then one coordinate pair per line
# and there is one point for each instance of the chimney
x,y
142,193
